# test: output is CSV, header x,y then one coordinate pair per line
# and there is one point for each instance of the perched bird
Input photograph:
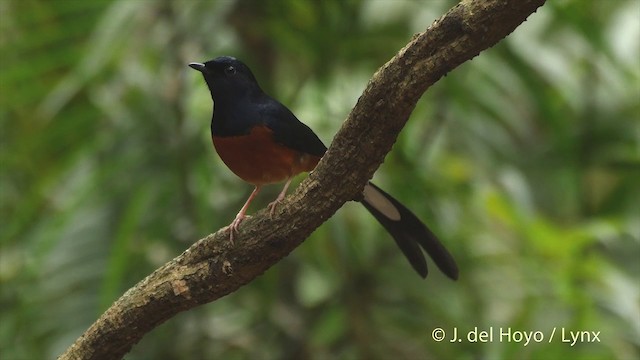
x,y
262,142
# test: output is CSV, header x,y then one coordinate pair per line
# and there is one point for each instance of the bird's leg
x,y
241,214
283,193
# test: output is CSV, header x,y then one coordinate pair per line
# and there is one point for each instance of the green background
x,y
525,161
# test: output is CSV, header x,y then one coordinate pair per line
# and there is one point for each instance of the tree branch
x,y
212,267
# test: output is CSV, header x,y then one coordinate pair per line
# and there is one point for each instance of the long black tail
x,y
409,232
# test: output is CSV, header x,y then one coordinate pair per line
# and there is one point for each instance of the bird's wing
x,y
289,131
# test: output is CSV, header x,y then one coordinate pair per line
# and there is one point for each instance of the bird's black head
x,y
227,76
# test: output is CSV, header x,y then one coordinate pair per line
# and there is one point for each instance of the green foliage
x,y
525,161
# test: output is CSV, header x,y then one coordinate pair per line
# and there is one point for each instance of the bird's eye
x,y
230,70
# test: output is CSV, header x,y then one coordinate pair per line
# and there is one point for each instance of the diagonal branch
x,y
212,267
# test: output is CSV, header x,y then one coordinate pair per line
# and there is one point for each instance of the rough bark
x,y
212,267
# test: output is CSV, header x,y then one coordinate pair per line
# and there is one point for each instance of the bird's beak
x,y
198,66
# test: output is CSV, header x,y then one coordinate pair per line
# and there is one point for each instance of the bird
x,y
261,141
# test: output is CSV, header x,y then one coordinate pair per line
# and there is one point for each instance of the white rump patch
x,y
381,203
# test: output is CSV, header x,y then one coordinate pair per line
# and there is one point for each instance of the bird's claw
x,y
272,206
235,224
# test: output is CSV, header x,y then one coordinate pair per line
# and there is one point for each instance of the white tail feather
x,y
381,203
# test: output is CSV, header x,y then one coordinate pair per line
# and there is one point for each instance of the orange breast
x,y
258,159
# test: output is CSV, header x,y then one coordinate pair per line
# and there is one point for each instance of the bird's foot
x,y
272,205
235,224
